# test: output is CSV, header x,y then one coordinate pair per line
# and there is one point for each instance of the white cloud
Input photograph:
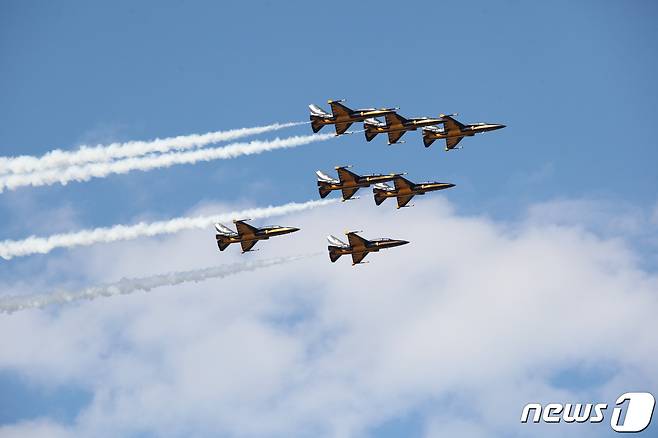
x,y
471,311
34,429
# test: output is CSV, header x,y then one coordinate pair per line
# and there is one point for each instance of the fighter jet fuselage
x,y
453,131
395,126
468,131
262,234
358,247
341,116
363,181
404,190
410,125
247,235
348,182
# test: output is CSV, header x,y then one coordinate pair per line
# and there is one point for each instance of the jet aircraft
x,y
348,182
453,131
247,235
404,190
395,126
341,116
358,247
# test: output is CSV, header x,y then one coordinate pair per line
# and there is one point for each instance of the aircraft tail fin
x,y
323,176
317,111
335,244
222,242
333,253
317,115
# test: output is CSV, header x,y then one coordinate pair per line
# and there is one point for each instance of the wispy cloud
x,y
484,313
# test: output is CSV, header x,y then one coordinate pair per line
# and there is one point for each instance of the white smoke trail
x,y
100,170
43,245
101,153
125,286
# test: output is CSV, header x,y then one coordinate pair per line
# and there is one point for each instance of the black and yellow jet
x,y
395,126
453,131
348,182
358,247
404,190
247,235
341,116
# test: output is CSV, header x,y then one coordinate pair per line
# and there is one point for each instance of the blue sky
x,y
574,83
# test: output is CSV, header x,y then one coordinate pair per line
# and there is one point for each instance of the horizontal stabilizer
x,y
316,123
428,139
379,196
323,190
333,254
222,243
370,134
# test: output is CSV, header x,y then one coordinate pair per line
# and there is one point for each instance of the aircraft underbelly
x,y
252,238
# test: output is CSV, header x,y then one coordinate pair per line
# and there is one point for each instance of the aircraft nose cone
x,y
401,242
292,229
499,127
449,185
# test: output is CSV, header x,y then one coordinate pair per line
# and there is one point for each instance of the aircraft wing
x,y
451,142
402,183
341,128
357,257
394,119
393,137
345,175
450,124
247,244
404,200
244,228
338,109
348,193
356,241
